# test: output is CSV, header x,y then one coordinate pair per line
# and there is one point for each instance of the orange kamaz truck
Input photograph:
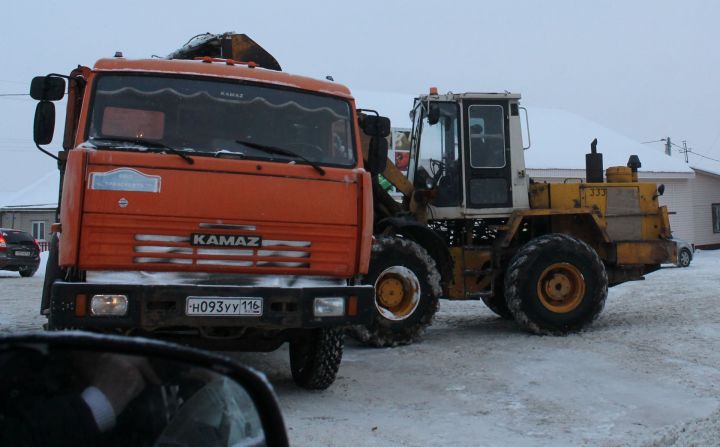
x,y
214,200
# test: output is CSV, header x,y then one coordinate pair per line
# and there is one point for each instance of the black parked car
x,y
19,252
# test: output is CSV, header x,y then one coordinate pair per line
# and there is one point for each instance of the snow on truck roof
x,y
222,69
559,139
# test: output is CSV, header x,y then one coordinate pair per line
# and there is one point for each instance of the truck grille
x,y
114,243
275,253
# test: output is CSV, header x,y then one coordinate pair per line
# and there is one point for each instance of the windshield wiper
x,y
279,151
149,144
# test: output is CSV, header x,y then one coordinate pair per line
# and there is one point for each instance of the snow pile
x,y
701,432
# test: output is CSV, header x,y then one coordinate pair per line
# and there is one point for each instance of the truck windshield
x,y
207,117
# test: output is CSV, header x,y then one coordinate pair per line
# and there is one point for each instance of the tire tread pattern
x,y
316,366
518,271
392,250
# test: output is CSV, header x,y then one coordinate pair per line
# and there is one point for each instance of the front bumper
x,y
158,307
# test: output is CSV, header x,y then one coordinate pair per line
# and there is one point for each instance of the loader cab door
x,y
435,160
488,174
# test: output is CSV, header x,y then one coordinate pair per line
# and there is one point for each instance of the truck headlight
x,y
109,305
329,307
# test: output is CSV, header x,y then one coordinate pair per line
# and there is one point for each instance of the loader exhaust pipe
x,y
594,164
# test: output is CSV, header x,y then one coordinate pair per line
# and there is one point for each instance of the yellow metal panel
x,y
539,195
472,271
565,196
646,252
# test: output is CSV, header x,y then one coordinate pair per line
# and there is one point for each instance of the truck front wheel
x,y
53,272
315,358
555,284
407,289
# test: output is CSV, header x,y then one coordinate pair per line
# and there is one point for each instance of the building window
x,y
38,230
716,217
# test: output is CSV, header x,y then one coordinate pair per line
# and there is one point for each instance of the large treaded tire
x,y
315,358
402,255
531,278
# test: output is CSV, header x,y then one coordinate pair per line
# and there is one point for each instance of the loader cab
x,y
468,148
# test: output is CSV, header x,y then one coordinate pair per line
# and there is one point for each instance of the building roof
x,y
559,139
40,194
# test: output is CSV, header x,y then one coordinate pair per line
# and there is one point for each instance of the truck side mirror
x,y
47,88
375,126
44,125
377,155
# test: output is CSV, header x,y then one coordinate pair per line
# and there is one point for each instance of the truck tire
x,y
53,272
496,302
555,284
315,358
407,289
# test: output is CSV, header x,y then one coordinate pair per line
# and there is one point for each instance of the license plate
x,y
223,306
23,253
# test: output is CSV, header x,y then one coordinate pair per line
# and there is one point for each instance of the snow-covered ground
x,y
647,373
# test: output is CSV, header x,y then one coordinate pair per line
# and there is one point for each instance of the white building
x,y
32,208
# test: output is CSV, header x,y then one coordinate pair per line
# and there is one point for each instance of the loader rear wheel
x,y
407,289
555,284
315,358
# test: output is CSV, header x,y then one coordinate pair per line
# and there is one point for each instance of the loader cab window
x,y
207,117
436,154
487,136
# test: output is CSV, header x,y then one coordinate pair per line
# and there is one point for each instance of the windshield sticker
x,y
125,179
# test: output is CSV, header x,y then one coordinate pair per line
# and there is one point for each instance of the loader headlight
x,y
109,305
329,307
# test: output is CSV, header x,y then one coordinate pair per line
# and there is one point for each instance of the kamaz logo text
x,y
225,240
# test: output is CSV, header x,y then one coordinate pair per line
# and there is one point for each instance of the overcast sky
x,y
648,69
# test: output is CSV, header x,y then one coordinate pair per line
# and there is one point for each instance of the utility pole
x,y
668,146
685,150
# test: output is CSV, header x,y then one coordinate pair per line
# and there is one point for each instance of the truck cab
x,y
211,202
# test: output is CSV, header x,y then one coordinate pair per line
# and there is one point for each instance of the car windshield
x,y
209,117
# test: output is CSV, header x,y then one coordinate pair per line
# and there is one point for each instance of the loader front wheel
x,y
315,358
556,284
407,289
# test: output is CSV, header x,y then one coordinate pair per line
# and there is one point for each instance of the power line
x,y
14,94
683,149
703,156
